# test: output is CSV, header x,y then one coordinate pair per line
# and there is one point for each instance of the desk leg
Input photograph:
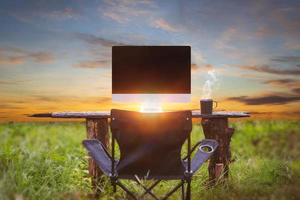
x,y
218,129
96,129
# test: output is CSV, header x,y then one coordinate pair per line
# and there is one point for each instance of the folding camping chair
x,y
150,148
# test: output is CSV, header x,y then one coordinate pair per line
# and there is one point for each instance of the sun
x,y
150,107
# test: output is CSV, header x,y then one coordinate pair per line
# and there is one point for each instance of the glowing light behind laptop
x,y
151,107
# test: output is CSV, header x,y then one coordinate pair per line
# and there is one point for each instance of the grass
x,y
47,161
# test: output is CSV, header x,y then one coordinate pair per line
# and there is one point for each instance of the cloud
x,y
280,81
292,43
123,11
226,38
95,40
41,57
63,14
264,31
281,22
296,90
9,106
12,82
114,16
197,57
270,70
290,84
203,67
74,99
273,99
15,56
287,20
103,100
93,64
31,11
46,98
284,59
11,60
164,25
194,67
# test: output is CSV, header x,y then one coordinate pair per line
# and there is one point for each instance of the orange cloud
x,y
296,90
273,99
271,70
204,67
287,83
280,81
12,82
41,57
164,25
16,56
11,60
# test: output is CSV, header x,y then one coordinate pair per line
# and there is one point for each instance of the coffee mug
x,y
207,106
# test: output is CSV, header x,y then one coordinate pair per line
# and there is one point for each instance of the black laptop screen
x,y
151,70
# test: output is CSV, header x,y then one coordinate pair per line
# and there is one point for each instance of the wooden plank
x,y
84,114
97,129
97,114
220,114
106,114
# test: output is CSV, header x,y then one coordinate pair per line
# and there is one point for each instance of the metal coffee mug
x,y
207,106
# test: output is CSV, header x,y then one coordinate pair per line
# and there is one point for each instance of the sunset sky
x,y
56,55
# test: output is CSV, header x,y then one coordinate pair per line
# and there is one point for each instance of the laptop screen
x,y
159,72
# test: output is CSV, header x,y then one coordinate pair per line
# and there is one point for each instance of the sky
x,y
56,55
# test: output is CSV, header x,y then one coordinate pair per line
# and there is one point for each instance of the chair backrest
x,y
150,143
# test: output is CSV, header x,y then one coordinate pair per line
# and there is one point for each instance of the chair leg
x,y
188,190
172,191
126,190
114,187
182,190
113,181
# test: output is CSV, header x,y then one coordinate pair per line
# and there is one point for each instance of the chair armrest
x,y
99,154
106,151
192,150
205,150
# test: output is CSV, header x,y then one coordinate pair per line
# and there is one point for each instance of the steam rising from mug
x,y
209,84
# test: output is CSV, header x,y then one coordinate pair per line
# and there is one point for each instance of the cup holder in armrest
x,y
205,148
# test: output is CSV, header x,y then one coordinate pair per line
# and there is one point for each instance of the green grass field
x,y
47,161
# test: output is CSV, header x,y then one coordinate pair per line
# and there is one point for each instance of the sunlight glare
x,y
151,107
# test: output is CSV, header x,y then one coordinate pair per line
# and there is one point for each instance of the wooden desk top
x,y
106,114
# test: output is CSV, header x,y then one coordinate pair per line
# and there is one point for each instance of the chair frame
x,y
107,163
